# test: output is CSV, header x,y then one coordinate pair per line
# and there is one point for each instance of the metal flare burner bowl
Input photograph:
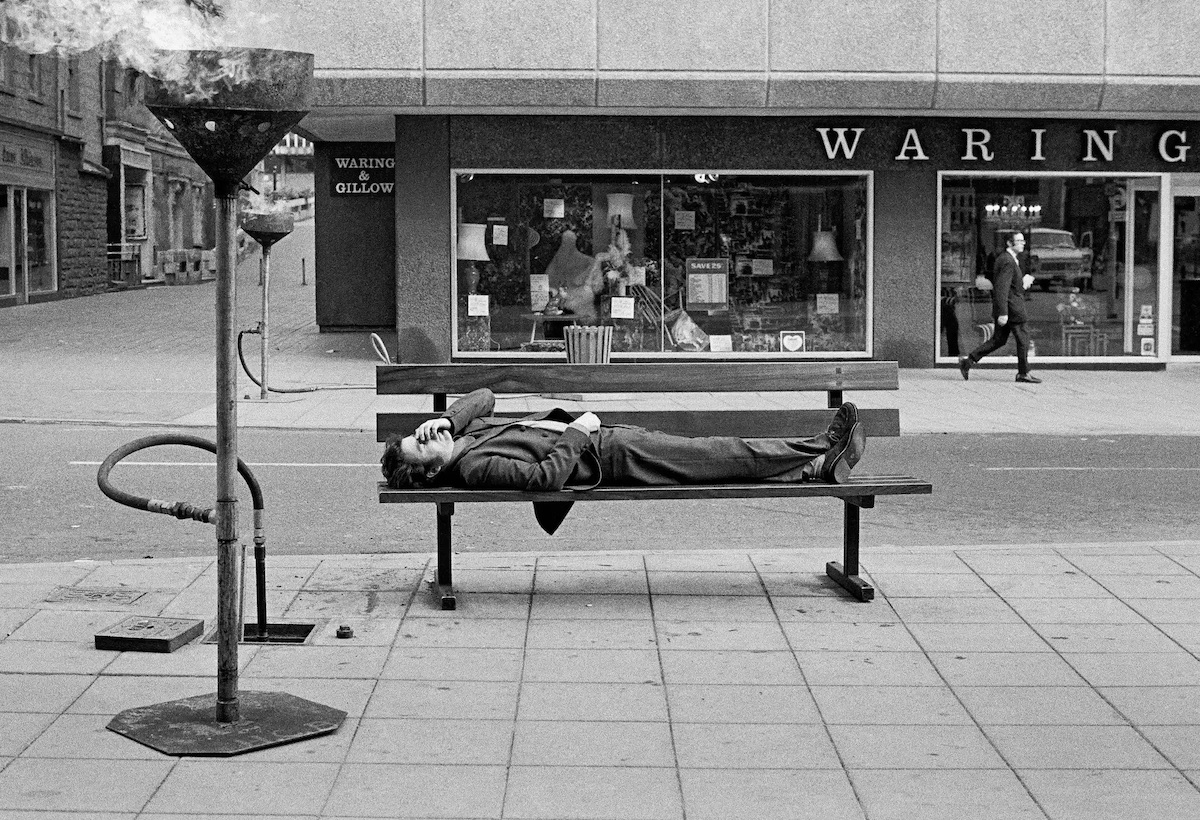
x,y
229,108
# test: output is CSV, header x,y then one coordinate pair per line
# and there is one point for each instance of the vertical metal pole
x,y
264,327
228,628
850,538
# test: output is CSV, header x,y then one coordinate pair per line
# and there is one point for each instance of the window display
x,y
1091,249
696,263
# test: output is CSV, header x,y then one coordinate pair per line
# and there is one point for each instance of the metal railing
x,y
124,264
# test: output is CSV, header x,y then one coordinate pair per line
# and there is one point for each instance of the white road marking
x,y
214,464
1094,469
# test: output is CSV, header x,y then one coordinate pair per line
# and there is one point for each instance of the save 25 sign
x,y
367,170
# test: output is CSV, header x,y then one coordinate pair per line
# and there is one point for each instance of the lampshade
x,y
471,244
620,206
824,248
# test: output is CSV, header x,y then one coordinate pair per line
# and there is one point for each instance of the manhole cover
x,y
107,595
145,634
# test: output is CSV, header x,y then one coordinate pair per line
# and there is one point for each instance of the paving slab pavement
x,y
1047,681
1042,681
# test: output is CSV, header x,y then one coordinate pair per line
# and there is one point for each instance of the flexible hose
x,y
253,378
245,367
183,510
179,509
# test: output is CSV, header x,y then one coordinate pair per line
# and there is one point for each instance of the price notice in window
x,y
707,283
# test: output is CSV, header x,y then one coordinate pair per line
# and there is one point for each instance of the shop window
x,y
8,250
676,264
135,212
39,247
1091,246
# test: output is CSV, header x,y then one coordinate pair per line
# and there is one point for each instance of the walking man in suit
x,y
549,451
1008,309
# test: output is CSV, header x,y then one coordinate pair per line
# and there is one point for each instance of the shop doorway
x,y
1185,278
26,250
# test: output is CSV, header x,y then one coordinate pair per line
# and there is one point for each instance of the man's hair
x,y
398,473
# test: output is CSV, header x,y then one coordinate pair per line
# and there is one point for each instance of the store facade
x,y
770,180
807,237
27,214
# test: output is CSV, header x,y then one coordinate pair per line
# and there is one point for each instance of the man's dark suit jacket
x,y
1008,291
525,458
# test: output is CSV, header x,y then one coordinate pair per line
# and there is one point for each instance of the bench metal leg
x,y
846,575
443,582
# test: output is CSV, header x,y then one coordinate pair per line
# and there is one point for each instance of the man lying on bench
x,y
465,447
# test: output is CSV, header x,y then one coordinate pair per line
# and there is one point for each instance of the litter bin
x,y
588,344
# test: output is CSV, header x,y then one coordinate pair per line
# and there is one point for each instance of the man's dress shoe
x,y
1026,378
843,455
964,367
845,418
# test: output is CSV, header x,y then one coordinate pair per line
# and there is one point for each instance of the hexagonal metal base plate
x,y
190,727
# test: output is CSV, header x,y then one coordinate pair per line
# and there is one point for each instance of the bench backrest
x,y
567,381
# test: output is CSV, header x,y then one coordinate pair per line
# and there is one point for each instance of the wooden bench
x,y
833,378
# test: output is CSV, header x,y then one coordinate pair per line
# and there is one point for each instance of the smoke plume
x,y
140,34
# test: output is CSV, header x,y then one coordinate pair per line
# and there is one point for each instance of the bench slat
x,y
618,377
756,423
856,486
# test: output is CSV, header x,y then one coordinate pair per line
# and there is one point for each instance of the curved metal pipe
x,y
183,510
246,368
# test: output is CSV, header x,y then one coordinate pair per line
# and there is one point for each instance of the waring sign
x,y
364,175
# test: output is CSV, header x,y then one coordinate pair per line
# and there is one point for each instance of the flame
x,y
140,34
256,203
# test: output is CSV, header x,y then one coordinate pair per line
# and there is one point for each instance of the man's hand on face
x,y
428,430
588,423
1002,320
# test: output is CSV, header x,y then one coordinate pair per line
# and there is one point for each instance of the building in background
x,y
161,216
52,180
788,180
94,194
287,172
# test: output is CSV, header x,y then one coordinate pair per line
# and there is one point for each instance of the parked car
x,y
1055,259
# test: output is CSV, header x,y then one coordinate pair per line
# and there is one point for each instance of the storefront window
x,y
696,263
39,248
8,256
135,211
1185,279
1091,245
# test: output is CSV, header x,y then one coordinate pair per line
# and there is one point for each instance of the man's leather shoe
x,y
1026,378
845,418
843,455
964,367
